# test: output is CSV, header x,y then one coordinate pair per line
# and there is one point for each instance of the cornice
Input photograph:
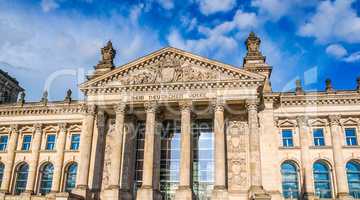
x,y
314,98
39,108
228,84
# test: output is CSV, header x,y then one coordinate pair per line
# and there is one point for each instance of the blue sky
x,y
52,44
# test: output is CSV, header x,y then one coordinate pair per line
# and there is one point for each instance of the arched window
x,y
21,177
70,177
353,176
46,178
290,180
2,166
322,180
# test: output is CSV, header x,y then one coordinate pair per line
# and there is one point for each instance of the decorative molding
x,y
185,105
252,104
302,121
120,108
151,106
334,120
40,109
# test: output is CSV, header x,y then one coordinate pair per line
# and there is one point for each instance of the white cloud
x,y
354,57
208,7
275,9
333,21
336,50
220,41
30,40
166,4
49,5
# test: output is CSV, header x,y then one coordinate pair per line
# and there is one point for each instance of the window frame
x,y
41,178
356,162
7,142
298,178
71,141
323,136
292,139
330,180
66,176
16,175
355,136
47,141
23,141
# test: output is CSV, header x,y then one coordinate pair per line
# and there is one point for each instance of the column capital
x,y
252,104
38,127
185,105
218,105
90,109
334,119
14,128
302,121
151,106
120,108
62,127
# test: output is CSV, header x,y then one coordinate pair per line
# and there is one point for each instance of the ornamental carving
x,y
168,70
238,155
107,156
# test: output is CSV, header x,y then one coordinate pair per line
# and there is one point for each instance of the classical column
x,y
184,191
340,172
116,153
306,162
85,151
10,156
257,191
60,147
34,158
146,191
219,191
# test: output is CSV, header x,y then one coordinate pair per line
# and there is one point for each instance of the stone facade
x,y
254,131
9,88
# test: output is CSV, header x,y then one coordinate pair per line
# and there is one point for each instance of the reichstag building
x,y
174,125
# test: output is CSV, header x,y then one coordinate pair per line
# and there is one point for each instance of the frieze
x,y
36,109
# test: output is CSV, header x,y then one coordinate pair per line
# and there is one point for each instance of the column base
x,y
309,196
219,193
62,196
82,191
2,195
148,193
114,192
344,196
258,193
184,193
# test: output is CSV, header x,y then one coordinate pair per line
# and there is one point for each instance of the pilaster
x,y
60,147
33,163
340,172
305,141
9,164
85,151
256,189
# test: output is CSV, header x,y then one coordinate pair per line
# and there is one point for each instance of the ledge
x,y
290,148
23,151
47,151
320,147
351,147
71,151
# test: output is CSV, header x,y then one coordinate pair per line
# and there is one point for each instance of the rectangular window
x,y
350,134
318,135
75,142
287,138
50,142
26,143
3,142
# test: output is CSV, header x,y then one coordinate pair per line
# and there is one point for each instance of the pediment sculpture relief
x,y
169,70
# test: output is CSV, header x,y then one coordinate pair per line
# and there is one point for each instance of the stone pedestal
x,y
147,193
219,193
184,193
258,193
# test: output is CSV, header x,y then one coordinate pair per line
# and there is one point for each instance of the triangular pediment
x,y
171,65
